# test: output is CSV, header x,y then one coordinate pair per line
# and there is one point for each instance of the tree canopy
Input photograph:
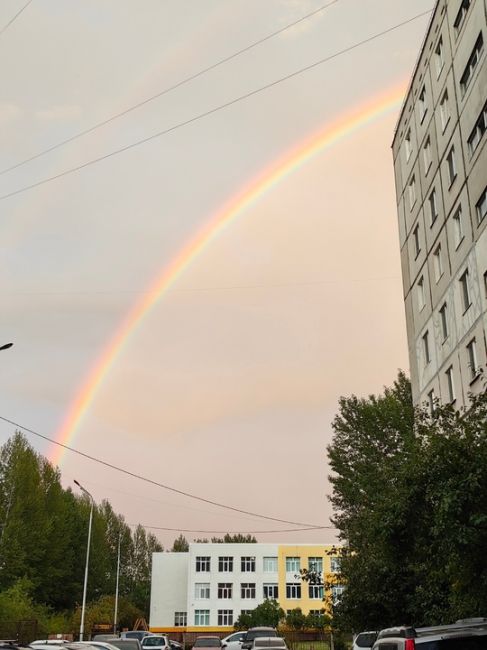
x,y
44,535
410,502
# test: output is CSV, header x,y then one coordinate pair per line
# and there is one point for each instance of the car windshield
x,y
366,639
210,642
153,641
474,642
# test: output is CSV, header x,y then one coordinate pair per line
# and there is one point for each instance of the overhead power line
x,y
156,483
5,27
213,110
235,532
169,89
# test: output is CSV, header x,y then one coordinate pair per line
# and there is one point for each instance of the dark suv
x,y
466,634
256,632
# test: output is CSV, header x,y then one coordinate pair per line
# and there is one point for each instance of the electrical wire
x,y
213,110
5,27
233,532
167,90
156,483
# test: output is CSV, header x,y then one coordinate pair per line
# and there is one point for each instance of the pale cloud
x,y
64,112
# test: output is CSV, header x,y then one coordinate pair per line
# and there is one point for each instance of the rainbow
x,y
264,182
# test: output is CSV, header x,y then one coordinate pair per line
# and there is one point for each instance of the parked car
x,y
97,645
364,640
268,642
105,637
234,641
135,634
212,642
465,634
126,644
254,633
156,642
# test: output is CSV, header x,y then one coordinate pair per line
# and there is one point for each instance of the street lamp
x,y
82,624
115,613
6,346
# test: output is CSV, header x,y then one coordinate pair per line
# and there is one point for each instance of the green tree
x,y
180,545
410,497
295,619
268,614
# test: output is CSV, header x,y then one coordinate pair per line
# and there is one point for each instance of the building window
x,y
180,619
460,17
247,590
438,263
293,590
246,611
271,591
315,592
431,401
420,292
465,291
444,321
433,207
293,564
472,63
224,590
481,207
458,227
408,145
201,617
472,359
426,347
423,108
225,564
315,564
270,565
247,564
417,247
450,385
427,156
335,564
439,57
201,590
412,192
478,131
225,617
337,593
202,563
316,612
444,111
452,168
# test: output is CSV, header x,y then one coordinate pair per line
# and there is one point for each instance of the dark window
x,y
202,563
472,63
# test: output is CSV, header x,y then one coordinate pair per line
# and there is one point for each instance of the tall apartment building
x,y
209,587
440,162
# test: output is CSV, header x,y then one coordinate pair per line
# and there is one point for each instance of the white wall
x,y
168,588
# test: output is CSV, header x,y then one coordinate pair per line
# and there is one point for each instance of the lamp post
x,y
83,606
6,346
115,613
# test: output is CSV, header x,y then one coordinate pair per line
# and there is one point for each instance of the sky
x,y
227,387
